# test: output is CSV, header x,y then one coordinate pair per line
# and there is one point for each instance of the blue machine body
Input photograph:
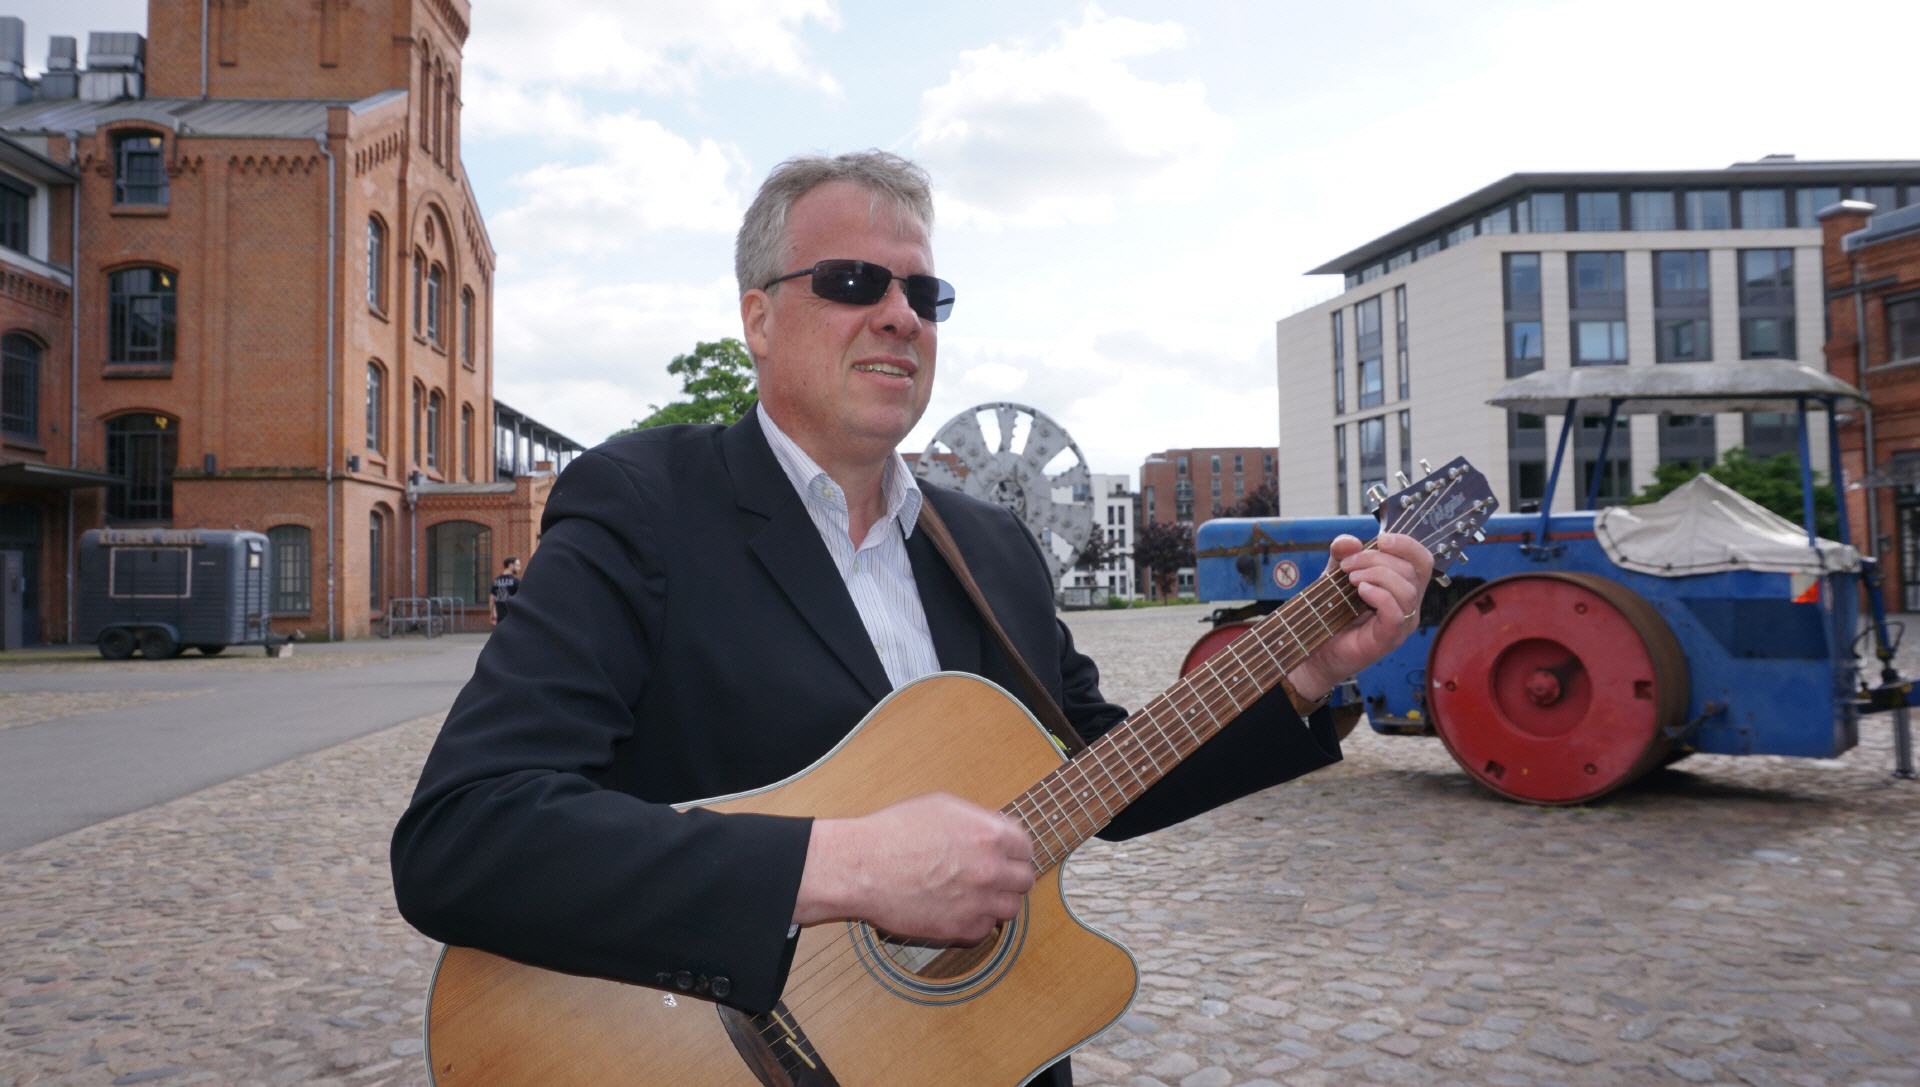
x,y
1771,669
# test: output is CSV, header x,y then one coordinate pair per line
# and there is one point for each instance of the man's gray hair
x,y
760,250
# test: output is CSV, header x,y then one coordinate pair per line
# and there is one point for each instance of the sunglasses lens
x,y
931,298
859,283
851,281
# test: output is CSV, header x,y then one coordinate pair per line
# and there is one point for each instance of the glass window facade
x,y
291,551
1597,210
1709,209
1340,469
1652,210
1763,209
1400,340
1373,451
142,450
1367,343
1339,364
376,407
1549,212
1903,329
1682,296
459,561
1520,275
140,169
19,386
376,264
1599,343
1808,202
16,201
141,315
1597,280
1766,304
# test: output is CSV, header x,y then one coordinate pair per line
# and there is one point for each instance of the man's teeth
x,y
880,368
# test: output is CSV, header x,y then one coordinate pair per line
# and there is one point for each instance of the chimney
x,y
116,61
14,88
61,80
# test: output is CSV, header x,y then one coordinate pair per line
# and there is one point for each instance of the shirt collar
x,y
898,488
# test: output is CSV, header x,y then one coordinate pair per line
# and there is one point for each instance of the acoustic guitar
x,y
861,1007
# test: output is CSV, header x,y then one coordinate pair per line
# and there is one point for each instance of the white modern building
x,y
1551,271
1113,518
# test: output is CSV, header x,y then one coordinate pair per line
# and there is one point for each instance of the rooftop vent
x,y
14,87
62,77
115,64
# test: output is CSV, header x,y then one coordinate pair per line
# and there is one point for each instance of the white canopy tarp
x,y
1706,527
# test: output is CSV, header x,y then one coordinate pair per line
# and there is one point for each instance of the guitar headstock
x,y
1443,509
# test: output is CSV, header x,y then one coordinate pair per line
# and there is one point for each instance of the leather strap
x,y
1042,703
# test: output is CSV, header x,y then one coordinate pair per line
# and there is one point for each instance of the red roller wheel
x,y
1213,641
1555,688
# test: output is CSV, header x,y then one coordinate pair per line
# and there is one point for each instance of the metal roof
x,y
1687,388
1767,172
52,477
26,160
1891,224
275,118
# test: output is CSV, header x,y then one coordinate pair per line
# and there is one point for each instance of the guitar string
x,y
804,989
1338,587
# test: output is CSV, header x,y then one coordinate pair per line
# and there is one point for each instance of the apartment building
x,y
1554,270
1113,519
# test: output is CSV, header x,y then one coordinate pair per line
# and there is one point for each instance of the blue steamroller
x,y
1576,651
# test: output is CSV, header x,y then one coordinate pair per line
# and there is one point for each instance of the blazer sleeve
x,y
1269,743
514,843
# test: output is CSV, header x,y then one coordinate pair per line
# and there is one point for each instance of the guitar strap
x,y
1044,707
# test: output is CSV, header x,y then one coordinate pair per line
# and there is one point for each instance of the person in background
x,y
505,587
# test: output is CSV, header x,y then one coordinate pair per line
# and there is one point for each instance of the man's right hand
x,y
935,867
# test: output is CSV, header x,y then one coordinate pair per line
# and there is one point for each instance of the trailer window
x,y
149,573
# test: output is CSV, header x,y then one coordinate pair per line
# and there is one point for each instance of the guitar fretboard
x,y
1072,803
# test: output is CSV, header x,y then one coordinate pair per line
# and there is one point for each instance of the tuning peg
x,y
1376,496
1425,468
1479,536
1400,481
1443,579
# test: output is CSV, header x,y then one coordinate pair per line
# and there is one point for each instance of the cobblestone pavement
x,y
32,707
1730,921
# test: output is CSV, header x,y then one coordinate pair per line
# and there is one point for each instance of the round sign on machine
x,y
1030,465
1286,574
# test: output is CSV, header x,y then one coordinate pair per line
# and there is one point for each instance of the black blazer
x,y
681,633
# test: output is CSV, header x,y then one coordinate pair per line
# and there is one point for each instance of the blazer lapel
x,y
951,617
789,546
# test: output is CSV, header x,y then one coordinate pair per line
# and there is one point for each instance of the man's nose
x,y
893,314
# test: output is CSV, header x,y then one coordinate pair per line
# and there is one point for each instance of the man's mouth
x,y
887,368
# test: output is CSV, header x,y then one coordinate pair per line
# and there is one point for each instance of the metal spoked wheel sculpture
x,y
1044,482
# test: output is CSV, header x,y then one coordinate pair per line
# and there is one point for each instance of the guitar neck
x,y
1072,803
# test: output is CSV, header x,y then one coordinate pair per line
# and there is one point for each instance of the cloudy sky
x,y
1128,192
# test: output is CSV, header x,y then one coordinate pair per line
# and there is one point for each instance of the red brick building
x,y
283,294
1872,274
1196,485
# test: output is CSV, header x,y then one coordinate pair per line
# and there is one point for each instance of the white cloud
x,y
643,179
1065,132
589,355
651,47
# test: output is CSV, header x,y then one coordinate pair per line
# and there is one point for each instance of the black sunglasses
x,y
862,283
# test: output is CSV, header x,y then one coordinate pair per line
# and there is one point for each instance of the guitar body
x,y
858,1008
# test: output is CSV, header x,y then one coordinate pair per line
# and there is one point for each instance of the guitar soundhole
x,y
939,973
938,962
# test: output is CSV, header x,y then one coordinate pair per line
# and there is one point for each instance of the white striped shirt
x,y
878,574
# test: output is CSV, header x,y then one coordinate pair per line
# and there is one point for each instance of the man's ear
x,y
756,320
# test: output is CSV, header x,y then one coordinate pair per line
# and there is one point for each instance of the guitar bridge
x,y
775,1048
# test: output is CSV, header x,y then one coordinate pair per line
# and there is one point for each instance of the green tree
x,y
1098,552
1263,502
717,379
1773,482
1161,550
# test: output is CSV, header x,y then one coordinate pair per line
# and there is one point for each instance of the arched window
x,y
466,326
426,114
459,560
140,315
140,169
466,442
376,559
376,407
419,420
376,264
419,290
141,450
291,551
436,301
19,386
435,404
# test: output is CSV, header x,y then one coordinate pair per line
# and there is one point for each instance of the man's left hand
x,y
1390,578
